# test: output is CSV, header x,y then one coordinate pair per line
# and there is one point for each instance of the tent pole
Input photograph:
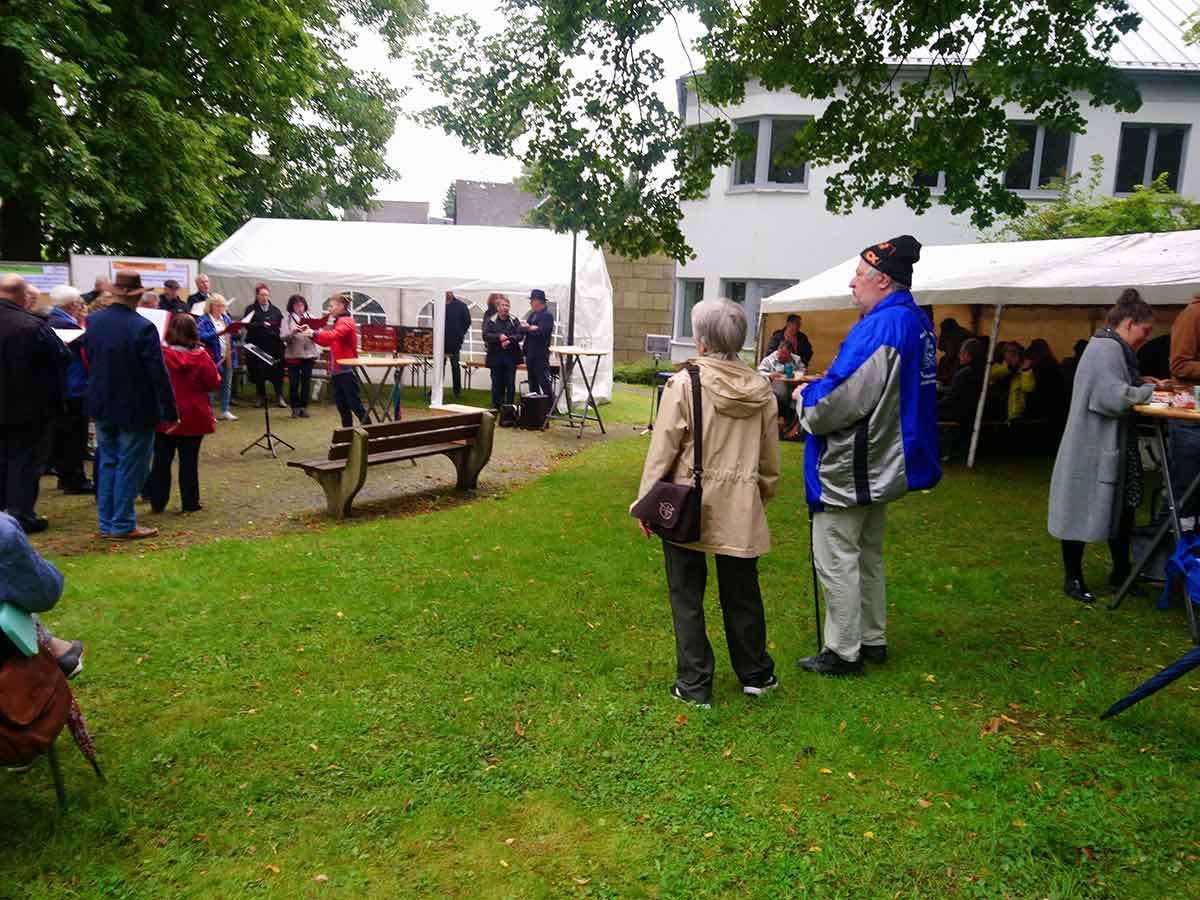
x,y
439,351
987,365
571,303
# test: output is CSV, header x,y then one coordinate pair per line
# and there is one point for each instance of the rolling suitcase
x,y
535,410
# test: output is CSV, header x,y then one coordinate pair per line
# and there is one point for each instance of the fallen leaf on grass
x,y
931,679
272,868
503,863
1018,823
728,752
680,719
825,771
869,835
709,834
508,842
1088,852
923,803
841,726
313,747
581,881
992,727
852,776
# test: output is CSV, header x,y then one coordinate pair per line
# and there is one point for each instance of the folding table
x,y
379,409
569,357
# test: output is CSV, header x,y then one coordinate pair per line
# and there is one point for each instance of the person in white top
x,y
214,334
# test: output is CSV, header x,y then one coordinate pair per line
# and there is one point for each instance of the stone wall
x,y
641,302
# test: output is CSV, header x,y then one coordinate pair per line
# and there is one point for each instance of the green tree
x,y
1082,211
450,204
569,87
149,126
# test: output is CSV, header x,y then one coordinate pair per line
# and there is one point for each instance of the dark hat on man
x,y
537,294
894,258
128,284
171,283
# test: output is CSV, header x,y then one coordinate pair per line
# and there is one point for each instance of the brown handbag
x,y
673,510
34,705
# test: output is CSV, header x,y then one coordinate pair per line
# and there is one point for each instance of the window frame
x,y
1151,147
762,159
1036,178
681,317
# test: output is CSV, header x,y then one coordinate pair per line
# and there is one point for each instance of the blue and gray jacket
x,y
873,417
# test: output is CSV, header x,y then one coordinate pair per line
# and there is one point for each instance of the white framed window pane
x,y
1168,155
735,291
1056,149
783,133
691,292
1019,176
745,166
1131,157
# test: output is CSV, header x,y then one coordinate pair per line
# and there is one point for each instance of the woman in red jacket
x,y
342,340
193,377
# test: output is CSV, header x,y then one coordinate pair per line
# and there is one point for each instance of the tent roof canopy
x,y
1075,272
394,255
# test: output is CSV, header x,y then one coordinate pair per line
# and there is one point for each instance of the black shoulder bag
x,y
673,510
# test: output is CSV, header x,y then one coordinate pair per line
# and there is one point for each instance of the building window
x,y
764,165
749,293
365,310
689,292
1045,155
1148,151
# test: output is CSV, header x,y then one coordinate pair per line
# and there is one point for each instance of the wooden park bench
x,y
465,437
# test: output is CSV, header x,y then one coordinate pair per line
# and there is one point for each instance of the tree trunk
x,y
20,214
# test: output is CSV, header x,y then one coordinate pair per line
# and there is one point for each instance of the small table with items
x,y
393,369
1161,415
569,357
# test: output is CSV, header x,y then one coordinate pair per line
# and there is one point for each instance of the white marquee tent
x,y
403,267
1075,272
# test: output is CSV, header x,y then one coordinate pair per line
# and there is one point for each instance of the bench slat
x,y
385,444
409,426
375,459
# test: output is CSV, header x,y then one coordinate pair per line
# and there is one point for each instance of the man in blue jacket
x,y
873,426
129,393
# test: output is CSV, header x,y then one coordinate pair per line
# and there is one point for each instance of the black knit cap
x,y
895,258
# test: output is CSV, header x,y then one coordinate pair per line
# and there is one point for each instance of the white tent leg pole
x,y
983,393
439,350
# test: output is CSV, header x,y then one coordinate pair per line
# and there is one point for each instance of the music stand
x,y
657,346
271,440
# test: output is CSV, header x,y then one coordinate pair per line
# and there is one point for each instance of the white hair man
x,y
873,426
71,428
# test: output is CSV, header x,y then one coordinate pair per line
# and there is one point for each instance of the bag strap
x,y
697,427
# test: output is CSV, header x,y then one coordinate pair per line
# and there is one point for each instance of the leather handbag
x,y
34,706
673,510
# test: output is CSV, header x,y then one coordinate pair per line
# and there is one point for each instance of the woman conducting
x,y
740,471
214,334
1097,482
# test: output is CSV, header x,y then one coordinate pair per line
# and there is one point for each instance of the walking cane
x,y
816,584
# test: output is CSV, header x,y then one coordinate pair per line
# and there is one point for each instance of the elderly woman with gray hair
x,y
740,472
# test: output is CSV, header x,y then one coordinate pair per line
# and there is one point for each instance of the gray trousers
x,y
848,550
741,607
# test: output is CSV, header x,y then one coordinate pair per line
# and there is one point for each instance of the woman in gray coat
x,y
1097,481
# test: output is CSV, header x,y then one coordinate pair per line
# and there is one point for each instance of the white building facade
x,y
763,227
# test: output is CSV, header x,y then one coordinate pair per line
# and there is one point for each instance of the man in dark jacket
x,y
961,399
795,338
170,299
201,295
502,336
539,332
33,363
129,393
458,323
263,332
71,427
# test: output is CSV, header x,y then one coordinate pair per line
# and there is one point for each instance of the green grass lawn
x,y
474,703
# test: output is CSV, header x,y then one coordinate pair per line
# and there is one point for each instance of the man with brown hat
x,y
872,422
33,365
129,393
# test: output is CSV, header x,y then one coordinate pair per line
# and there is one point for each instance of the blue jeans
x,y
121,469
504,381
226,385
1183,445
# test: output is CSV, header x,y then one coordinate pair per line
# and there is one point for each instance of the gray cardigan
x,y
1089,471
296,346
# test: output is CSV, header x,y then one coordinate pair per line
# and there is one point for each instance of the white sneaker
x,y
227,416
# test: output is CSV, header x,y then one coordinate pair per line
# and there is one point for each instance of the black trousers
x,y
158,485
741,607
539,374
455,370
1118,548
261,373
24,452
345,395
300,383
70,444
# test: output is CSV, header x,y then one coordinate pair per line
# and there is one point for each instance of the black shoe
x,y
690,701
82,487
757,690
829,663
873,653
260,403
32,524
1077,590
303,412
71,662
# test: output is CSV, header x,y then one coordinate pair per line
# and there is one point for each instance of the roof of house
x,y
411,212
491,203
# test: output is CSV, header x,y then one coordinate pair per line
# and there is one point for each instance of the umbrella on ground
x,y
1181,666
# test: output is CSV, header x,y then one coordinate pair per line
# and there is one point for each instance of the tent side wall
x,y
1060,326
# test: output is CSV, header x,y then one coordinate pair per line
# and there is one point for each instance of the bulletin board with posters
x,y
43,276
86,268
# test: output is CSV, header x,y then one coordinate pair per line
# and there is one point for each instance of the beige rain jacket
x,y
741,453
